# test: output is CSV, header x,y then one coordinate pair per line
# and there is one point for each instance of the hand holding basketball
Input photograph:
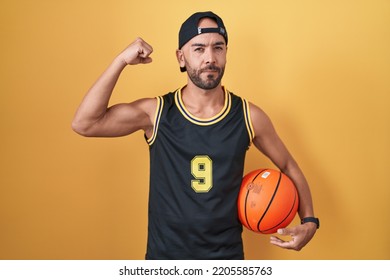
x,y
300,236
267,201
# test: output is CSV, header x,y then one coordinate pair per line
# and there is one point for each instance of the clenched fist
x,y
137,52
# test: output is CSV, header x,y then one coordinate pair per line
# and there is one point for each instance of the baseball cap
x,y
189,29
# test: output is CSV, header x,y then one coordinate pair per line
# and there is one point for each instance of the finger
x,y
281,243
144,56
144,48
146,60
286,231
148,47
275,239
144,51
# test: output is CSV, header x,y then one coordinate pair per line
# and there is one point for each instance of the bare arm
x,y
269,143
94,118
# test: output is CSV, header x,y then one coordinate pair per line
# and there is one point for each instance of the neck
x,y
203,103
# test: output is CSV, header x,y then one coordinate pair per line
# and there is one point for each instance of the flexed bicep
x,y
94,118
123,119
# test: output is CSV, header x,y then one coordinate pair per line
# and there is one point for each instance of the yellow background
x,y
320,69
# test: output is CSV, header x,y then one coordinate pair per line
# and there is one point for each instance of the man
x,y
198,138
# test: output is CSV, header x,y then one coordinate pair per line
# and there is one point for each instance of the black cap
x,y
189,29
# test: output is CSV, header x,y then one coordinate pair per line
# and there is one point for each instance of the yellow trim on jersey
x,y
248,119
156,122
199,121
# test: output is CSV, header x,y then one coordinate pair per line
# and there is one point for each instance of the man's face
x,y
204,57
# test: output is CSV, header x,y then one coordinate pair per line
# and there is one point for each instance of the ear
x,y
180,58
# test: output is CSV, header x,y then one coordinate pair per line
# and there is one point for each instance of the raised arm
x,y
269,143
93,117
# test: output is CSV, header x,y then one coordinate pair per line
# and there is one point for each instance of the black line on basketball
x,y
246,199
246,216
288,214
270,202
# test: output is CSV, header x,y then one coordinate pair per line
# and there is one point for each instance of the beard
x,y
211,81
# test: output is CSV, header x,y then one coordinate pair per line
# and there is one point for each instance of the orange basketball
x,y
267,201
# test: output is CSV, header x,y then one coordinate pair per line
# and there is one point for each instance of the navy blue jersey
x,y
196,168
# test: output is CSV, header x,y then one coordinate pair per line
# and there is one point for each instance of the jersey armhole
x,y
248,120
156,121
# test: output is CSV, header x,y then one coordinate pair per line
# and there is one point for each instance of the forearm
x,y
95,102
305,199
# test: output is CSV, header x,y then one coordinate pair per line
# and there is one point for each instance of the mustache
x,y
210,68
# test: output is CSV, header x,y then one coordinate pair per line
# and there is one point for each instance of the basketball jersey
x,y
196,168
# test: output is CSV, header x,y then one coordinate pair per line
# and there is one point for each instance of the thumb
x,y
146,60
285,231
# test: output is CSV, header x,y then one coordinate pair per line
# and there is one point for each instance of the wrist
x,y
120,62
314,220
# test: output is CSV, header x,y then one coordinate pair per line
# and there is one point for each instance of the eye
x,y
219,48
199,49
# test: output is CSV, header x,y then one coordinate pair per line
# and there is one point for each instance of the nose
x,y
210,57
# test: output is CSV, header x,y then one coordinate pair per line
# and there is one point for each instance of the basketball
x,y
267,201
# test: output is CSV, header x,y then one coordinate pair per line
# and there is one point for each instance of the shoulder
x,y
145,105
257,113
152,106
260,120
